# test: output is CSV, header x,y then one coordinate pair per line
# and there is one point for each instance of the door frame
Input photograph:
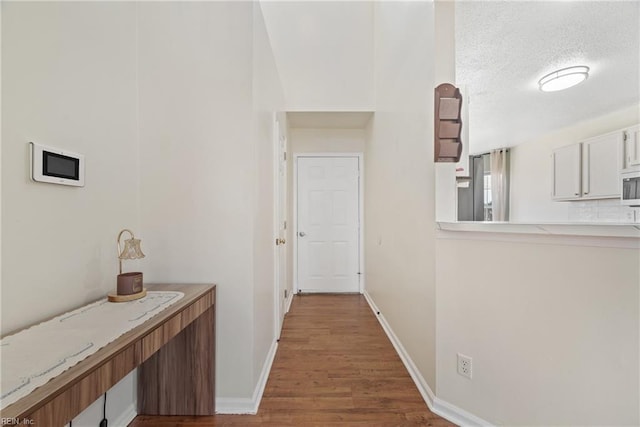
x,y
360,157
278,132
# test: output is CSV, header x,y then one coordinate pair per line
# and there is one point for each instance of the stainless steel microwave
x,y
630,188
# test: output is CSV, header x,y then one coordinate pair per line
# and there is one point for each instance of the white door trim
x,y
276,227
276,134
360,157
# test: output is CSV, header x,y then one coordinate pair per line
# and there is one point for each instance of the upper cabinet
x,y
566,172
601,164
588,170
632,148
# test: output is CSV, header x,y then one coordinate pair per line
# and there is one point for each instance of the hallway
x,y
334,366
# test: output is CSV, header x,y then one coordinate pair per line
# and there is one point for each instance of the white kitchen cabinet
x,y
567,172
588,170
632,148
601,164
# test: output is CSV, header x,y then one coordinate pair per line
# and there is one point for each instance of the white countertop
x,y
617,230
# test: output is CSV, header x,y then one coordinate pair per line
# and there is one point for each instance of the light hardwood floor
x,y
334,366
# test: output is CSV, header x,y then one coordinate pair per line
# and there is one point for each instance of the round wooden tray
x,y
125,298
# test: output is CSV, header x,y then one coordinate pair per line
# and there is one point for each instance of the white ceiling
x,y
504,47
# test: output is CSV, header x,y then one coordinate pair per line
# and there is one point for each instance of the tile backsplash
x,y
610,210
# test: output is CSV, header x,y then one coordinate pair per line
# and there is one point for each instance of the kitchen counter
x,y
591,234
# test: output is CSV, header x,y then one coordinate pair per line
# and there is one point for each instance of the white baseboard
x,y
288,303
417,378
457,415
126,417
226,405
264,375
437,406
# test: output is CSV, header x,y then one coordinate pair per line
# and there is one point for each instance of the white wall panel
x,y
197,164
552,330
69,81
400,182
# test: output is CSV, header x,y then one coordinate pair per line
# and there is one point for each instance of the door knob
x,y
302,234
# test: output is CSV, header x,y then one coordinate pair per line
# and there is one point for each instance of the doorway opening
x,y
327,229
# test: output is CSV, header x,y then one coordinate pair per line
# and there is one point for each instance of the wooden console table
x,y
174,352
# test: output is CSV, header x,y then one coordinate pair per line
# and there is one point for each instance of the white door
x,y
280,162
328,252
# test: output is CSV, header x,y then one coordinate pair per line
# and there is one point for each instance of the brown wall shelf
x,y
447,124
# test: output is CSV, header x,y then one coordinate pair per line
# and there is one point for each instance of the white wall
x,y
171,103
531,172
197,172
327,140
399,180
69,81
552,330
76,93
207,183
324,52
268,98
445,72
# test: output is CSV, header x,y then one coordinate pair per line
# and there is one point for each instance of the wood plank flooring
x,y
334,366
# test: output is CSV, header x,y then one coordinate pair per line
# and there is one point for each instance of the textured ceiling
x,y
504,47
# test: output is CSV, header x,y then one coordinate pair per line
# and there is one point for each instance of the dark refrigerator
x,y
471,198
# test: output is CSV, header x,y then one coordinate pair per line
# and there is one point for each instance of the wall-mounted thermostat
x,y
56,166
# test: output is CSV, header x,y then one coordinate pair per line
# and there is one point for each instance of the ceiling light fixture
x,y
564,78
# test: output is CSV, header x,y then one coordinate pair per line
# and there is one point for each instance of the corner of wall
x,y
400,182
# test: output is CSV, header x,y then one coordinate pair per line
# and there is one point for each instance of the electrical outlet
x,y
465,365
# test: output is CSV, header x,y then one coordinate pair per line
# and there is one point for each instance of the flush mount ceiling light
x,y
564,78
